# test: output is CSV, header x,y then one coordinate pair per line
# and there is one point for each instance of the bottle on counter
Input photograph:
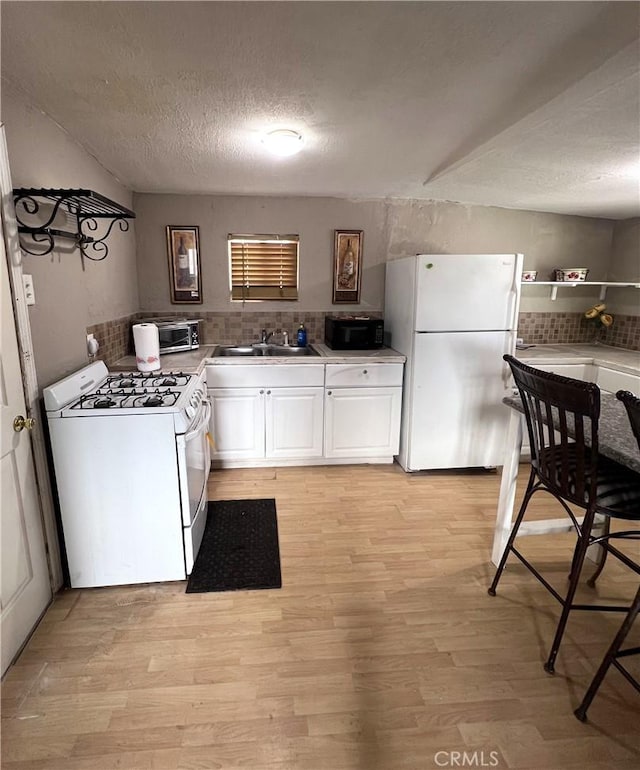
x,y
302,336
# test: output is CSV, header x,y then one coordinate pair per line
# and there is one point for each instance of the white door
x,y
237,423
362,422
457,418
25,589
463,292
294,422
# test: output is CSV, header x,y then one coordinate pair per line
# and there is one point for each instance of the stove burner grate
x,y
155,400
134,380
103,403
147,400
127,399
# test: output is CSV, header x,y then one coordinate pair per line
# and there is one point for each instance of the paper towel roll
x,y
147,344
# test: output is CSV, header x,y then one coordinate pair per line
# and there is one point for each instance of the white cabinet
x,y
362,422
264,413
577,371
606,378
237,423
362,411
297,414
613,381
293,422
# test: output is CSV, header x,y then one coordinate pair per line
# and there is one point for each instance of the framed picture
x,y
183,248
347,266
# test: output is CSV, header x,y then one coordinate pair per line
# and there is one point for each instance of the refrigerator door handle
x,y
506,375
514,294
507,380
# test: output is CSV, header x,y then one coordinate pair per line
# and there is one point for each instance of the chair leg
x,y
604,552
514,531
581,711
576,568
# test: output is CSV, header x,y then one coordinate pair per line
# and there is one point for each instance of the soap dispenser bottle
x,y
302,336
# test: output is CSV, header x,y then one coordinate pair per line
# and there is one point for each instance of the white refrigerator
x,y
453,316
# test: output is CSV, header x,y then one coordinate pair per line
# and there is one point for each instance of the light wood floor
x,y
381,649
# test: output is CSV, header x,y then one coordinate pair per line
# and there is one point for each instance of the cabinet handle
x,y
261,392
328,393
364,371
268,393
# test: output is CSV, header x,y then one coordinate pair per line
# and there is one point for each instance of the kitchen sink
x,y
232,350
290,350
286,351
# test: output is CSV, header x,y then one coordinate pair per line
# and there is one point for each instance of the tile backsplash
x,y
229,328
113,338
550,328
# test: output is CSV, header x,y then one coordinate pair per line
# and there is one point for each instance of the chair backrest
x,y
632,405
565,459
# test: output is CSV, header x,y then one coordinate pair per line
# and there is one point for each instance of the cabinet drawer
x,y
363,375
265,375
611,380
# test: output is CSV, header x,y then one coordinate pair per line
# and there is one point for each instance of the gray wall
x,y
625,266
70,294
391,229
314,219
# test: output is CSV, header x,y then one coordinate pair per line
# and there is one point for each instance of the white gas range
x,y
131,458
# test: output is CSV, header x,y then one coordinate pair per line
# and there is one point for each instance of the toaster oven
x,y
176,334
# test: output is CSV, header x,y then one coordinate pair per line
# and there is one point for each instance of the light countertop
x,y
192,361
325,356
600,355
189,361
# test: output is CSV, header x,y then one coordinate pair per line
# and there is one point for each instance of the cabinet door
x,y
613,381
362,422
293,422
237,423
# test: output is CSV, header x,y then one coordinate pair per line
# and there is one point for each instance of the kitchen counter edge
x,y
193,361
600,355
325,356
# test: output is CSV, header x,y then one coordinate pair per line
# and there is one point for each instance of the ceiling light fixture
x,y
283,142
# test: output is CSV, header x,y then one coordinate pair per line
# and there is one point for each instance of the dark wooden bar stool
x,y
562,421
614,653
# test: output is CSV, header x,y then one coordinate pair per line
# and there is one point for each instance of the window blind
x,y
263,266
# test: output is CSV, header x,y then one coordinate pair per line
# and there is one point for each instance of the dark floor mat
x,y
239,548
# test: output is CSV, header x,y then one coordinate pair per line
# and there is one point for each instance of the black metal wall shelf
x,y
38,209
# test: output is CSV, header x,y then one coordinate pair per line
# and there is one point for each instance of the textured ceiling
x,y
524,105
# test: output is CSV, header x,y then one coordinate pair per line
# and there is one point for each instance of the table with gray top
x,y
615,440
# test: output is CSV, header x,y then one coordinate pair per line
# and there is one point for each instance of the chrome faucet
x,y
266,336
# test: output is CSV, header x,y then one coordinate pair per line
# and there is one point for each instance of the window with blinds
x,y
263,266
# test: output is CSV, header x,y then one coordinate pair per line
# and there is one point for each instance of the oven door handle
x,y
201,423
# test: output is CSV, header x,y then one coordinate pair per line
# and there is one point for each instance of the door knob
x,y
23,422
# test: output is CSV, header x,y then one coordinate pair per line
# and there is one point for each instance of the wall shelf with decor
x,y
45,214
604,285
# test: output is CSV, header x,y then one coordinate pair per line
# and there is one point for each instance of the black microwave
x,y
353,332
